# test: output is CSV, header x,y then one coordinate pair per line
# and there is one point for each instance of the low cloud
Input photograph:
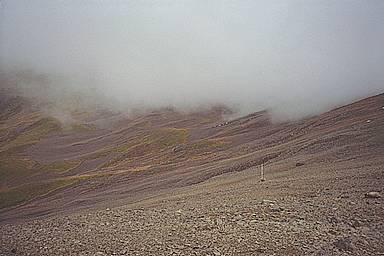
x,y
295,58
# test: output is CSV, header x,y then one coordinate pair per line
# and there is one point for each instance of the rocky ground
x,y
309,210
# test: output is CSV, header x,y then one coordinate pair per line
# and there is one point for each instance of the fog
x,y
295,58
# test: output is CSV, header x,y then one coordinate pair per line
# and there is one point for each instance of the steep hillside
x,y
164,149
195,164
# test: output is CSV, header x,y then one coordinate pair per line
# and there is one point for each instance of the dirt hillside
x,y
170,183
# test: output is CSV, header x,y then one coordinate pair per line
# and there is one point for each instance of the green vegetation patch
x,y
103,174
20,194
17,195
123,148
61,166
83,127
160,140
13,166
207,144
169,137
150,144
35,133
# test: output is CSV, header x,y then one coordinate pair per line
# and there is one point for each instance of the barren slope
x,y
190,184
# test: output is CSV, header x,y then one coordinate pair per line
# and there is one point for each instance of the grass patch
x,y
208,144
82,127
20,194
170,137
12,166
123,148
34,133
149,144
60,166
104,174
17,195
159,140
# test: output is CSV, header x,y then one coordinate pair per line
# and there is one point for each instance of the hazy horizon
x,y
295,58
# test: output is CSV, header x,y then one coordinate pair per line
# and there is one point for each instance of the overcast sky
x,y
294,57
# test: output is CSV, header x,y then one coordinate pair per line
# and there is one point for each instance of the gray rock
x,y
344,244
270,202
276,209
373,194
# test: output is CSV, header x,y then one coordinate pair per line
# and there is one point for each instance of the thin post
x,y
262,172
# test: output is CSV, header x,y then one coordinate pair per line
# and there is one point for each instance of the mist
x,y
295,58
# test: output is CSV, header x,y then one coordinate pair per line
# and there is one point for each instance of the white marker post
x,y
262,172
